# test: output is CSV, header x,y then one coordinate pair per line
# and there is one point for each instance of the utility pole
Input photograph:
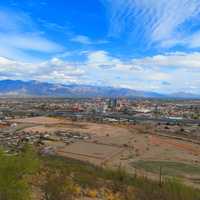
x,y
160,177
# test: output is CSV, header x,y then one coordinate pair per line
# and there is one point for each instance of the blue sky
x,y
140,44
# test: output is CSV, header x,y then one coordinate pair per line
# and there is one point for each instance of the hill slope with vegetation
x,y
28,175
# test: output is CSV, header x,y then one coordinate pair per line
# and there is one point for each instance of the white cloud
x,y
170,72
54,70
98,57
29,42
16,22
102,59
82,39
194,40
19,35
179,70
160,21
178,59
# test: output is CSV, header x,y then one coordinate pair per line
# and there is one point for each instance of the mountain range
x,y
43,89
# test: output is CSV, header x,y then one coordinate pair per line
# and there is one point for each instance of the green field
x,y
168,168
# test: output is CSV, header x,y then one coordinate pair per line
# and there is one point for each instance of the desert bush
x,y
58,186
14,170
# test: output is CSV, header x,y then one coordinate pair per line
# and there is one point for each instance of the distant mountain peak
x,y
37,88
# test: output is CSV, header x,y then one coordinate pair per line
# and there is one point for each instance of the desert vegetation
x,y
28,175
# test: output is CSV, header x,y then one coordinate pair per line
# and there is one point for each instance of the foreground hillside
x,y
32,176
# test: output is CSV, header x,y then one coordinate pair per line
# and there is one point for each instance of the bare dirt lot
x,y
114,145
92,152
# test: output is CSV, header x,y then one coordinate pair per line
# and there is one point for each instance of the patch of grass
x,y
168,168
14,170
89,176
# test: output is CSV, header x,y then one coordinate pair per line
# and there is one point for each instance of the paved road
x,y
126,117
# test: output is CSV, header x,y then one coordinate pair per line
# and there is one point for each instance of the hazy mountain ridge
x,y
35,88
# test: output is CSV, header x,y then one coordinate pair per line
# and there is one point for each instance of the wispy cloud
x,y
85,40
29,42
81,39
19,34
153,21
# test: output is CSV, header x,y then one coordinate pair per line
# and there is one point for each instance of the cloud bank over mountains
x,y
156,73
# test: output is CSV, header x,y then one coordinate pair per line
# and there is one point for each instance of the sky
x,y
151,45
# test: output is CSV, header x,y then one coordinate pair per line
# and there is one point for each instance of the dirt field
x,y
113,145
92,152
